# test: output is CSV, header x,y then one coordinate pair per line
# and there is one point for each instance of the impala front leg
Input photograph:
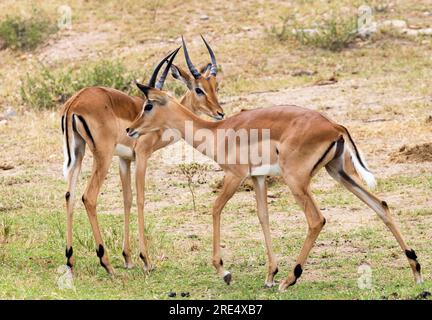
x,y
230,186
141,166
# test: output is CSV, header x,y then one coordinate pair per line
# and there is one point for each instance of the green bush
x,y
333,34
26,33
46,89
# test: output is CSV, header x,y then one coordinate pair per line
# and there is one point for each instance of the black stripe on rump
x,y
67,142
323,156
87,129
62,124
355,149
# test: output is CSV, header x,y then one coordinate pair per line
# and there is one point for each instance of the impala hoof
x,y
149,268
110,271
227,278
269,285
283,286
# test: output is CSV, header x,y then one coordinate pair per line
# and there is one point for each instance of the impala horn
x,y
189,63
213,70
153,78
161,81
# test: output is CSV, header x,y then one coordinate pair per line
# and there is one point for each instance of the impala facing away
x,y
98,117
300,142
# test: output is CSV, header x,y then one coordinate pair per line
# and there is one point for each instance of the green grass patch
x,y
26,33
334,34
46,88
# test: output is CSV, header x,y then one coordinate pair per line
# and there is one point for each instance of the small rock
x,y
411,32
10,112
204,17
172,294
247,28
192,236
3,122
399,24
425,32
185,294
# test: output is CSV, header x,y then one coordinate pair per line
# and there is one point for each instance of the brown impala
x,y
299,142
98,117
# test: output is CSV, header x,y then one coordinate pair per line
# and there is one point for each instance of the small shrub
x,y
285,32
176,87
46,89
333,34
26,33
195,174
105,73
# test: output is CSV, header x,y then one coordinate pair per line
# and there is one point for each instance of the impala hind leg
x,y
72,178
260,187
315,220
101,165
125,177
230,186
336,169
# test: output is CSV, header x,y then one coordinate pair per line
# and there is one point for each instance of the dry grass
x,y
382,94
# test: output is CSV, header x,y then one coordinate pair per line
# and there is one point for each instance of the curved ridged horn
x,y
213,70
191,67
161,81
152,80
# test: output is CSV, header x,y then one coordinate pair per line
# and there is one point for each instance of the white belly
x,y
124,152
266,170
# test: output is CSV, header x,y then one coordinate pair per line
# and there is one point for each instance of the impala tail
x,y
75,134
69,157
358,161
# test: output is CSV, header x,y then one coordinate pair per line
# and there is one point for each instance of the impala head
x,y
155,98
202,85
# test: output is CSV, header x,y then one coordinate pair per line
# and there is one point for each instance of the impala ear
x,y
219,77
144,89
205,70
181,75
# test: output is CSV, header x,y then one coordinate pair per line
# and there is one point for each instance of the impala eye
x,y
199,91
148,106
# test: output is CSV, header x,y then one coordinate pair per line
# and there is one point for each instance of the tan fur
x,y
108,112
299,140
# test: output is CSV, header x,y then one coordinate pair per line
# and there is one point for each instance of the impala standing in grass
x,y
299,142
98,117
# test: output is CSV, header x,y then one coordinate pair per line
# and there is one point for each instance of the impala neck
x,y
188,123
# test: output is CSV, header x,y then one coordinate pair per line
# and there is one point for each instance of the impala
x,y
299,142
98,117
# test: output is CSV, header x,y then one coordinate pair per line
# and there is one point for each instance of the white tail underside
x,y
366,176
